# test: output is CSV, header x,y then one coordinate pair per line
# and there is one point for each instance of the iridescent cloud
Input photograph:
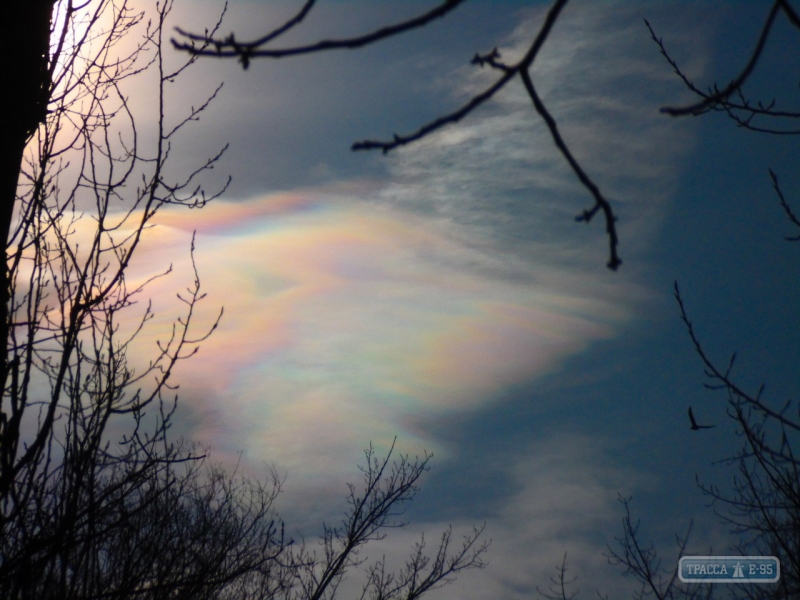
x,y
358,311
346,321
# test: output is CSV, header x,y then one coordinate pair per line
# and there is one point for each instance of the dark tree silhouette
x,y
67,327
25,68
763,507
84,514
379,506
96,499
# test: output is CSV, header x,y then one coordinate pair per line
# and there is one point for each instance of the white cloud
x,y
498,178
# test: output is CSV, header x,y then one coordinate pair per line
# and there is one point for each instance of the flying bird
x,y
695,426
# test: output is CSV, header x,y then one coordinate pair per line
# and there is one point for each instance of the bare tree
x,y
640,561
763,506
387,486
208,44
559,584
96,500
86,193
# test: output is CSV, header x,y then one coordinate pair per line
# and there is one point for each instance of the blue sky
x,y
445,295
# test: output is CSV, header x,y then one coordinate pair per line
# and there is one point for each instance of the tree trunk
x,y
25,78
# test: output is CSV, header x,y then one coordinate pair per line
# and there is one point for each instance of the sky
x,y
444,295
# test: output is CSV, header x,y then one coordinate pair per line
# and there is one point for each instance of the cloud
x,y
499,180
362,310
349,321
354,311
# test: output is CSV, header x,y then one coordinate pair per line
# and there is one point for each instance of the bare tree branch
x,y
721,95
785,205
245,51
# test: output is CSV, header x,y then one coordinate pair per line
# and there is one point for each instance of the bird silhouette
x,y
695,426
